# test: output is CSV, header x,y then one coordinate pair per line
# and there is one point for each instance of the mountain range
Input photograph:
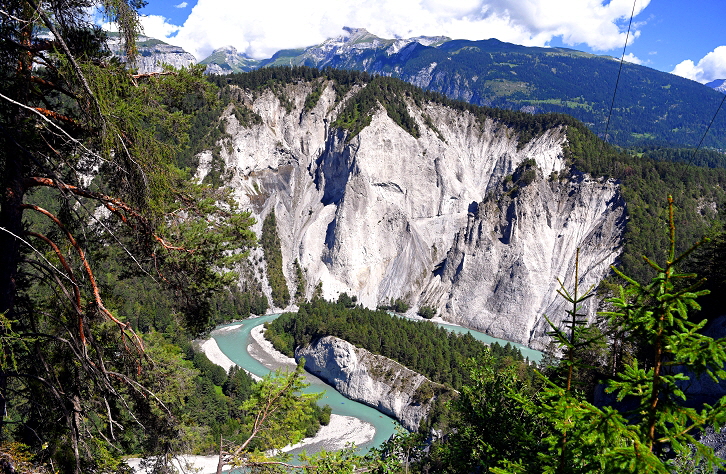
x,y
718,84
649,107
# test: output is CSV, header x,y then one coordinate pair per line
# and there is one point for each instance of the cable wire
x,y
693,155
620,70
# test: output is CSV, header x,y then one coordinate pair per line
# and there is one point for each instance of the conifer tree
x,y
87,161
651,422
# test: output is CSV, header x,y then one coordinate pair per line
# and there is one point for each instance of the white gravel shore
x,y
341,430
263,350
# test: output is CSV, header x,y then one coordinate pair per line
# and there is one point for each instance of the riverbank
x,y
210,348
340,431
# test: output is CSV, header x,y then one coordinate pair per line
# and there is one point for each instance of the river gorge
x,y
237,343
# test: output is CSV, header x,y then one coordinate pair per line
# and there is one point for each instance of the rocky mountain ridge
x,y
652,108
466,217
355,43
718,84
153,54
228,60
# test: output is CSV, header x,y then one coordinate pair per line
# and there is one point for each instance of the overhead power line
x,y
693,155
620,70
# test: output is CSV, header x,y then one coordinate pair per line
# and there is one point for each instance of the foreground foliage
x,y
645,422
88,170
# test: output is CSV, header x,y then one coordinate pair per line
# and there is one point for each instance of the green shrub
x,y
427,312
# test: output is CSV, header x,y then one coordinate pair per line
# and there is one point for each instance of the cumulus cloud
x,y
157,26
712,66
631,58
262,28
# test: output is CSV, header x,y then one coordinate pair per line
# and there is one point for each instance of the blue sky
x,y
686,37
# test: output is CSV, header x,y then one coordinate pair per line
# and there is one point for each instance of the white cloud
x,y
156,26
262,28
181,5
712,66
631,58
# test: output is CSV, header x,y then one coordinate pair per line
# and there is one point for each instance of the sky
x,y
684,37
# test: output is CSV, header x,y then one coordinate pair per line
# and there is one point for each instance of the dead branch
x,y
76,289
56,115
38,252
152,74
91,277
112,204
52,85
79,72
134,77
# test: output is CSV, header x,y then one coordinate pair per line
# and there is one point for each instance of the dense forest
x,y
113,259
422,346
270,242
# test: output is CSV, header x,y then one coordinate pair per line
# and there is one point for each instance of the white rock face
x,y
514,249
386,215
372,379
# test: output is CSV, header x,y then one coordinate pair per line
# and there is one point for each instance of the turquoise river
x,y
234,343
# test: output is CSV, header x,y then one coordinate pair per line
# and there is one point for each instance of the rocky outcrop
x,y
228,60
372,379
517,245
153,54
446,219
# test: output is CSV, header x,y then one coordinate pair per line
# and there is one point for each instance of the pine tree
x,y
651,423
87,162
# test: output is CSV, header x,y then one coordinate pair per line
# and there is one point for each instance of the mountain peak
x,y
718,84
227,59
354,36
355,32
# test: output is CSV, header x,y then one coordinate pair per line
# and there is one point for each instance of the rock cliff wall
x,y
434,220
372,379
153,54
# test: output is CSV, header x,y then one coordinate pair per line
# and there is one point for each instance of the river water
x,y
234,345
234,339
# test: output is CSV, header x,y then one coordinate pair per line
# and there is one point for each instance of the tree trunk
x,y
220,463
12,192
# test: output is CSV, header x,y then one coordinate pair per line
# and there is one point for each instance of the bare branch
x,y
49,24
37,252
112,204
64,262
92,280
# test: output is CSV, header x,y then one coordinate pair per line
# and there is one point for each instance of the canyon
x,y
467,217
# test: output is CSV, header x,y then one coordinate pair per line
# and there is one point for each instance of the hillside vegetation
x,y
105,281
422,346
651,108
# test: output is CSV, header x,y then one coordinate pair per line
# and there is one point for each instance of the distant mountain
x,y
359,49
718,84
650,108
153,54
227,60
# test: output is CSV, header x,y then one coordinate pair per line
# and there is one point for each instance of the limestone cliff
x,y
153,54
372,379
465,217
